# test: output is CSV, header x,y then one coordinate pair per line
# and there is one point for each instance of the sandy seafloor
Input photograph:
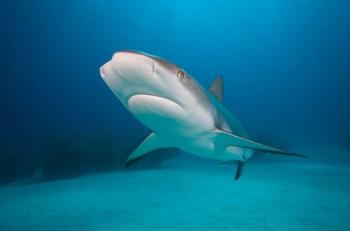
x,y
271,195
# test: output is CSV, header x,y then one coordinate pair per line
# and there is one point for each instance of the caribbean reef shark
x,y
178,110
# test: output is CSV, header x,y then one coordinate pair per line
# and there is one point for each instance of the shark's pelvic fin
x,y
239,169
240,165
225,139
217,88
151,143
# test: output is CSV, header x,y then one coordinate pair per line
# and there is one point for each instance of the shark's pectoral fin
x,y
151,143
217,87
240,165
225,139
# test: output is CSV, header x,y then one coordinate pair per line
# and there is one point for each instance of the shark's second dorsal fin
x,y
217,87
151,143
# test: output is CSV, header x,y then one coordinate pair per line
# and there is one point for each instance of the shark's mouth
x,y
151,105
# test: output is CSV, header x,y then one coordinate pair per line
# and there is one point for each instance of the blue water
x,y
65,137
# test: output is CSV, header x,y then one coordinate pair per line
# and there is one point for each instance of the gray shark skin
x,y
179,111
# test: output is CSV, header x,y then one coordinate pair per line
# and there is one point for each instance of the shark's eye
x,y
180,75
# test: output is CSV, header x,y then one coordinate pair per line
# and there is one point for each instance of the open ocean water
x,y
65,137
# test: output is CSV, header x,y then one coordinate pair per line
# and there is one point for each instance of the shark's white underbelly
x,y
177,126
204,146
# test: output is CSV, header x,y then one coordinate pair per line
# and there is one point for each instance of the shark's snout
x,y
126,72
102,73
106,70
119,63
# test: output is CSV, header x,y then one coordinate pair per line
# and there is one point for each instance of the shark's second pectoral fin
x,y
151,143
225,139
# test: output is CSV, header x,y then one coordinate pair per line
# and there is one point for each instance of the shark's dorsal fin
x,y
225,139
217,87
151,143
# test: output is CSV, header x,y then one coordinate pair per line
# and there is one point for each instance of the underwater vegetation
x,y
78,153
70,154
57,156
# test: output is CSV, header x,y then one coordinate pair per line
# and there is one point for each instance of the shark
x,y
179,112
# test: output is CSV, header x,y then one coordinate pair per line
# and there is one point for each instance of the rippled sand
x,y
269,196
